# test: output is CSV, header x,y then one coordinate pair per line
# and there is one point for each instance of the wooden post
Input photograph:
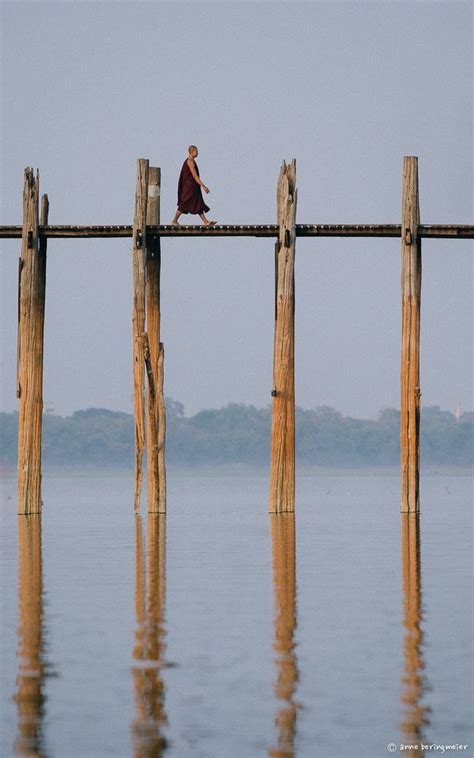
x,y
161,430
138,319
410,354
156,473
152,428
31,301
282,464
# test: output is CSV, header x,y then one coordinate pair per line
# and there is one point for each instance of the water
x,y
226,633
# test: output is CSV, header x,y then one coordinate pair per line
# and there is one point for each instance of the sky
x,y
345,88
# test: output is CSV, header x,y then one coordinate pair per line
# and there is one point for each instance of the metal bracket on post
x,y
153,246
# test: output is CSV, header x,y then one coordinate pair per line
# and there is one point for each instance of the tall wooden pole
x,y
31,303
282,463
156,473
138,319
152,429
161,431
410,393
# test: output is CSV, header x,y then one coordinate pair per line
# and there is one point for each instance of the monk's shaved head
x,y
192,148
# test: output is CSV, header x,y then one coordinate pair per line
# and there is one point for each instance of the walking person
x,y
190,199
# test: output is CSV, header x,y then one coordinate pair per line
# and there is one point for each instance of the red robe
x,y
190,199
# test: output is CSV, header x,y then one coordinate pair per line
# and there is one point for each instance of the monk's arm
x,y
196,178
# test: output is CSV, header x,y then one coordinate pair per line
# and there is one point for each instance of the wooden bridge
x,y
439,231
146,233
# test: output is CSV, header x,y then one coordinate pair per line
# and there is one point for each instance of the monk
x,y
190,199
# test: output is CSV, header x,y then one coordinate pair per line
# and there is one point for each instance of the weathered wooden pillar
x,y
282,463
410,354
161,430
152,429
156,472
31,303
138,319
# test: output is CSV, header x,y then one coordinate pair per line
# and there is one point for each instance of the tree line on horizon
x,y
238,433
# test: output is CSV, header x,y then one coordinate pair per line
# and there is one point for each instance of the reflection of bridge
x,y
146,233
284,588
416,714
150,578
149,725
32,668
147,728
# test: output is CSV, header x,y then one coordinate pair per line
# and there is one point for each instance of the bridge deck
x,y
440,231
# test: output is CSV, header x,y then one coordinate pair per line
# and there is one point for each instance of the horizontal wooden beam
x,y
439,231
435,231
72,231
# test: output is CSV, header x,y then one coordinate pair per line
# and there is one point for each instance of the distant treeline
x,y
241,433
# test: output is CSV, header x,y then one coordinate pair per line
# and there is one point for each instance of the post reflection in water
x,y
148,739
284,583
415,714
32,669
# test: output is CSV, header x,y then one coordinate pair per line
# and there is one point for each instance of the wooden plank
x,y
138,320
446,231
155,409
30,349
433,231
282,463
410,393
347,230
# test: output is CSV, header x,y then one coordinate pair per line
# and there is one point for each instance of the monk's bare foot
x,y
175,223
210,223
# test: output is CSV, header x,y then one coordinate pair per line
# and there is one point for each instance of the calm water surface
x,y
223,632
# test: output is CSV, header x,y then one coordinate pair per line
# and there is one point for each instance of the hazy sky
x,y
347,89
